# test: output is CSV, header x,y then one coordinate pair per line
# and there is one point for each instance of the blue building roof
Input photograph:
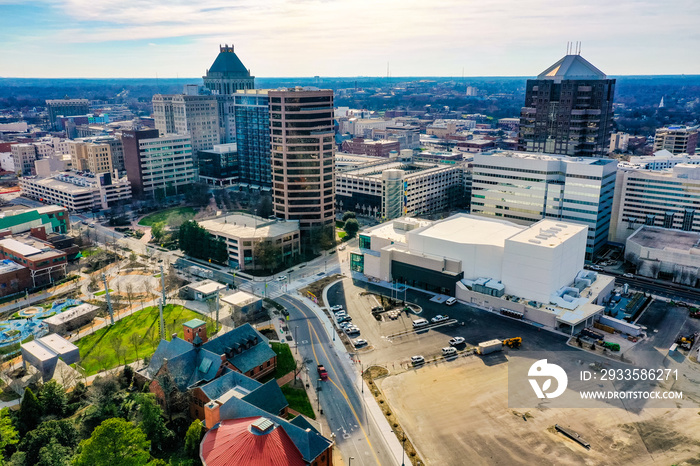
x,y
268,397
166,350
244,347
219,387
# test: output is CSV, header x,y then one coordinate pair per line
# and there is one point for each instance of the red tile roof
x,y
236,442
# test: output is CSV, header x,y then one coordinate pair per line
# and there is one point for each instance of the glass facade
x,y
365,242
253,138
357,262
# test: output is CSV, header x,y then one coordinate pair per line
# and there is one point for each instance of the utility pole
x,y
217,310
109,301
162,323
162,283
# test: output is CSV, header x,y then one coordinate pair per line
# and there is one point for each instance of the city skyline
x,y
77,38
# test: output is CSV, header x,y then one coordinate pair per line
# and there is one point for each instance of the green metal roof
x,y
229,64
194,323
12,220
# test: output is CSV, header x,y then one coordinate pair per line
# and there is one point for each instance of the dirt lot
x,y
477,428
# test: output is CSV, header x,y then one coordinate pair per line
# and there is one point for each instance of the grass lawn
x,y
98,351
162,216
100,293
342,234
285,360
90,252
298,401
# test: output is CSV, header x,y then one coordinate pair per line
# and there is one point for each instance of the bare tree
x,y
130,295
117,346
135,341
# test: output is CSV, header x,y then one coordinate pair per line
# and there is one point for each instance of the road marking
x,y
342,392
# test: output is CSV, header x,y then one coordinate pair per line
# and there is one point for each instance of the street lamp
x,y
350,460
296,343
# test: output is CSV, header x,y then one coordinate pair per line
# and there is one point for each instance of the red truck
x,y
322,372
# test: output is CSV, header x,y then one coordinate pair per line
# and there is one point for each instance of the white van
x,y
451,301
449,351
420,323
417,360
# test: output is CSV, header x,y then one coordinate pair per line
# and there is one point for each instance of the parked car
x,y
456,341
359,342
628,275
352,330
449,351
439,318
417,360
281,278
341,248
420,323
336,308
451,301
345,318
341,313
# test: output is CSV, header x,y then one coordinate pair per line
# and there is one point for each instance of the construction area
x,y
478,424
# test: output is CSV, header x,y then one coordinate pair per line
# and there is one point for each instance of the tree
x,y
347,215
54,454
135,341
193,437
8,433
158,231
102,394
29,411
64,432
264,208
197,194
114,442
352,226
127,375
267,255
151,421
53,398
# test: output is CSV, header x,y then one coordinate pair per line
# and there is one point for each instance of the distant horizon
x,y
610,76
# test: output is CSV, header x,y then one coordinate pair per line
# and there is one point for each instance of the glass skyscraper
x,y
253,137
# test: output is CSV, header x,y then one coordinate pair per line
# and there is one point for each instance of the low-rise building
x,y
204,290
44,353
72,318
45,263
243,304
242,232
662,160
51,218
77,191
378,148
676,139
14,278
479,260
665,253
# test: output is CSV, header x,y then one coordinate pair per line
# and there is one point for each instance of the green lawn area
x,y
298,401
285,360
98,351
90,252
162,216
100,293
342,234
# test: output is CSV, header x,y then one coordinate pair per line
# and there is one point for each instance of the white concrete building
x,y
663,253
676,139
242,232
619,141
166,163
525,187
196,115
666,198
75,192
488,262
662,160
23,156
7,162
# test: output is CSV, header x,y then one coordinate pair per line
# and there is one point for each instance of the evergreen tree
x,y
192,439
53,398
29,411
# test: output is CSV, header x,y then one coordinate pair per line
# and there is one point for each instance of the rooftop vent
x,y
262,425
534,241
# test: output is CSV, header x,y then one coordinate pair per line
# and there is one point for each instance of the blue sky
x,y
106,38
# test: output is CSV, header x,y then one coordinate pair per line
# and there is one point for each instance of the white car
x,y
341,248
336,308
352,330
417,360
628,275
281,278
359,342
456,341
439,318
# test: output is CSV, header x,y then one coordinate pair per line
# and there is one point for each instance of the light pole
x,y
296,343
350,460
403,448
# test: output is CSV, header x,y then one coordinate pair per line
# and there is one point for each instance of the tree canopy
x,y
195,241
267,255
114,442
29,411
8,433
352,226
53,398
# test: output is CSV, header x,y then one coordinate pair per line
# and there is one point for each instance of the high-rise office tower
x,y
251,108
23,156
568,110
301,126
196,115
228,74
66,107
157,166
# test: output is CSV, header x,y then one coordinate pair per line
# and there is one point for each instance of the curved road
x,y
356,434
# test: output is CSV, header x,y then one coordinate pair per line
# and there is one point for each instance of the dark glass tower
x,y
252,114
568,110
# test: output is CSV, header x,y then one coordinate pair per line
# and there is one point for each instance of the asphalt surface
x,y
355,434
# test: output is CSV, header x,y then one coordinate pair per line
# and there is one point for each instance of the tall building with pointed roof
x,y
568,110
228,74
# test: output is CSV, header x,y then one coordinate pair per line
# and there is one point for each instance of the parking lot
x,y
458,408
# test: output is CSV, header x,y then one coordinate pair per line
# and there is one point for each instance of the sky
x,y
289,38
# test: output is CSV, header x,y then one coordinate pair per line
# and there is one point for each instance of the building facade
x,y
77,192
303,149
525,188
568,110
228,74
46,264
66,107
676,139
379,148
23,157
252,114
218,166
669,199
242,233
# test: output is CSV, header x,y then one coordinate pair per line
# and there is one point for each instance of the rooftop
x,y
663,238
194,323
228,64
207,287
470,229
249,226
7,266
57,344
19,247
546,157
71,313
396,230
240,298
548,233
572,67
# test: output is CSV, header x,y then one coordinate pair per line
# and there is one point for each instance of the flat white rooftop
x,y
548,233
71,314
57,344
249,226
240,298
470,229
208,287
19,247
396,230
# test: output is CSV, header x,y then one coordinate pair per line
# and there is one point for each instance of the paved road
x,y
356,434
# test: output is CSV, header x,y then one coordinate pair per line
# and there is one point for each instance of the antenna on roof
x,y
567,47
